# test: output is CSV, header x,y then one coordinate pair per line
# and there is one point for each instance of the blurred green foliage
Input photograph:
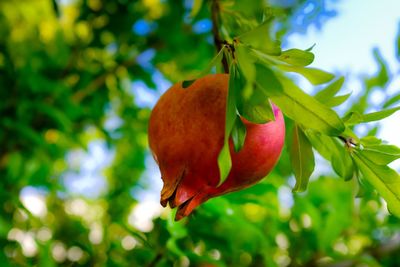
x,y
66,74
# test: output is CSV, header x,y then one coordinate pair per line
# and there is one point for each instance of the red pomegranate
x,y
186,134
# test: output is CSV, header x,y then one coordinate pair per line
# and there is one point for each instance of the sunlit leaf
x,y
296,104
370,141
315,76
384,179
391,101
352,118
224,163
382,77
215,61
337,100
310,48
381,154
341,161
329,91
297,57
259,38
379,115
246,65
302,158
322,143
355,118
333,151
251,103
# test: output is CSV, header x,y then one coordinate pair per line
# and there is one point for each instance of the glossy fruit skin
x,y
186,134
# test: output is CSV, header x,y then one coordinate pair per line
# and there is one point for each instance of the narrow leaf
x,y
296,104
258,113
381,154
238,134
384,179
382,77
224,163
333,151
302,159
251,103
379,115
352,118
297,57
247,69
224,157
315,76
322,143
330,91
215,61
259,38
310,48
392,100
370,141
231,101
336,100
341,161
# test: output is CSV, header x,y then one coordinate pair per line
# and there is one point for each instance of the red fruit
x,y
186,134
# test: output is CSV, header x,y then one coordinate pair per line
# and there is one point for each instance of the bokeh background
x,y
78,185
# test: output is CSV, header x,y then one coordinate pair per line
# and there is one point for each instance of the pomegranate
x,y
186,134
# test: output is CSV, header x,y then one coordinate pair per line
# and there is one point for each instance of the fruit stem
x,y
215,10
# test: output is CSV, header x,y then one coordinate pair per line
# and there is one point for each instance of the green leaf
x,y
302,159
384,179
238,134
247,69
216,60
336,100
296,104
258,112
392,101
224,157
233,88
352,118
370,141
322,143
297,57
251,103
333,151
315,76
381,154
259,38
330,91
224,163
382,76
196,7
310,48
341,161
356,118
379,115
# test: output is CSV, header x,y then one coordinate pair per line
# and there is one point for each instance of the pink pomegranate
x,y
186,134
